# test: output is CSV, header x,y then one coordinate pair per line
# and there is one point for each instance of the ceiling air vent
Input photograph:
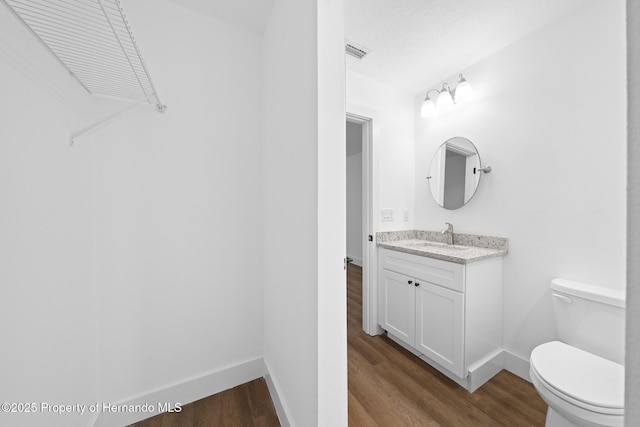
x,y
355,50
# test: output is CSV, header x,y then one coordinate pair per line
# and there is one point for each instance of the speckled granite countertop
x,y
466,247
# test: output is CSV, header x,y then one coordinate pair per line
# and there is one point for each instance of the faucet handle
x,y
449,232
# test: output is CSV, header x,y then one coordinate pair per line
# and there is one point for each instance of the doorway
x,y
355,230
360,244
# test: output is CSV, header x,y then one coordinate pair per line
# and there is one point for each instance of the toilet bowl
x,y
581,389
581,377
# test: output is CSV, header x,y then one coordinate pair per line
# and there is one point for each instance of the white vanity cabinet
x,y
447,313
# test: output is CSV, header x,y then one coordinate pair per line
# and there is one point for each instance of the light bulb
x,y
428,108
463,90
445,100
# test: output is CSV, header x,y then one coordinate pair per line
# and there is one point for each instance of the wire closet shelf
x,y
93,40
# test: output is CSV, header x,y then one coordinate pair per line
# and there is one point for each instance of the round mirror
x,y
455,173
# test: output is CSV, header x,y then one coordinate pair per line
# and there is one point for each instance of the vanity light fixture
x,y
446,97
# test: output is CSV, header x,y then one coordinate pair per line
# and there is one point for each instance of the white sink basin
x,y
423,244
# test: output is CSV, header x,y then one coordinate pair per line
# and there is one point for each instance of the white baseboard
x,y
483,370
516,365
281,409
183,393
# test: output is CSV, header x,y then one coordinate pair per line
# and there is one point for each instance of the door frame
x,y
369,121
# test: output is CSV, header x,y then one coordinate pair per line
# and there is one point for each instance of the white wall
x,y
132,261
46,307
394,145
332,281
632,361
179,207
304,237
290,249
354,192
548,115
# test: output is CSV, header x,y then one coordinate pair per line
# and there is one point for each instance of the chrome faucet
x,y
449,232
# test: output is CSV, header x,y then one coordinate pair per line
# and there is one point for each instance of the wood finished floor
x,y
243,406
388,387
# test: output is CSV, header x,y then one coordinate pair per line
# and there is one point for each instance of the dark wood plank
x,y
358,415
243,406
262,409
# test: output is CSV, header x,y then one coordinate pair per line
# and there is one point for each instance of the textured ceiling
x,y
416,44
252,15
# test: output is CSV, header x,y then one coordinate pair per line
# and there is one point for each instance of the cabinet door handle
x,y
409,281
417,284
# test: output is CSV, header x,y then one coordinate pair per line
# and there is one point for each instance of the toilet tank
x,y
590,317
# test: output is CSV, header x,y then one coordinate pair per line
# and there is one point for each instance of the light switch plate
x,y
387,214
405,215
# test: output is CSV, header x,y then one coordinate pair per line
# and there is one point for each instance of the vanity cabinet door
x,y
397,305
439,326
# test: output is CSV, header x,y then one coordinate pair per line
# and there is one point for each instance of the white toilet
x,y
581,378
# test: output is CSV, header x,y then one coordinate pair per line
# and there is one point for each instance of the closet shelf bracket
x,y
159,107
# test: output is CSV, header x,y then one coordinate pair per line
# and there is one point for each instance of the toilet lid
x,y
580,375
